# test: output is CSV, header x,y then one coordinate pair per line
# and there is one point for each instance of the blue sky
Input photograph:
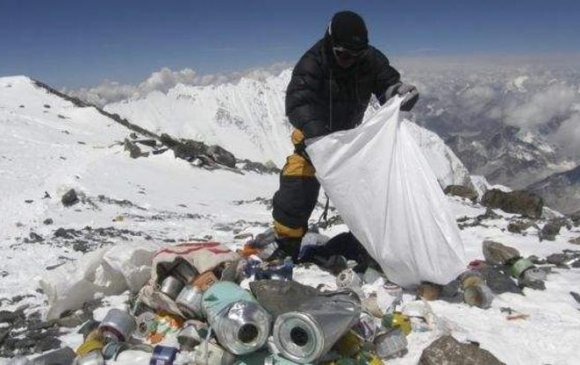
x,y
79,43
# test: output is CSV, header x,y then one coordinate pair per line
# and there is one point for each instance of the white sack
x,y
386,193
108,271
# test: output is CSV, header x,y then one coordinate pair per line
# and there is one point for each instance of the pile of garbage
x,y
203,303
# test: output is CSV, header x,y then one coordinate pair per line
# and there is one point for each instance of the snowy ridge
x,y
248,118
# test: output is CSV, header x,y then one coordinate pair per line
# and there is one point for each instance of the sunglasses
x,y
347,54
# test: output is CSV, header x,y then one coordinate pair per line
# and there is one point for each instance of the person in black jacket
x,y
330,90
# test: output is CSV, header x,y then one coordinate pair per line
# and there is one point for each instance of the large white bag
x,y
386,193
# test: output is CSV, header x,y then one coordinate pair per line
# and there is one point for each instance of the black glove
x,y
408,91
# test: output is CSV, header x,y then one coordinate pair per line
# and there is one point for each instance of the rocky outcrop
x,y
519,202
447,350
461,191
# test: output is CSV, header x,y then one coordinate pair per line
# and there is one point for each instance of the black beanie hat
x,y
347,29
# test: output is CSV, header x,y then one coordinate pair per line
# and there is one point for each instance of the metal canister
x,y
171,286
118,325
521,265
185,271
209,353
348,279
240,323
305,335
391,344
189,301
192,334
113,349
478,295
163,355
92,358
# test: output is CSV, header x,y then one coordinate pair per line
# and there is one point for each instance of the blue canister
x,y
163,355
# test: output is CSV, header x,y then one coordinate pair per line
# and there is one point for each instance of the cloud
x,y
165,79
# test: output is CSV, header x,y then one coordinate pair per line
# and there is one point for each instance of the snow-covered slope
x,y
248,118
160,200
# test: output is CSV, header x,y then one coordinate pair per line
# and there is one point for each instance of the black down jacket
x,y
322,97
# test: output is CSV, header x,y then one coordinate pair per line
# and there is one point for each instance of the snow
x,y
38,156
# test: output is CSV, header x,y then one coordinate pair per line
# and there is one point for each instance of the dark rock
x,y
575,217
519,226
47,106
267,168
499,280
447,350
70,198
48,221
4,274
46,195
518,202
35,237
29,201
450,292
496,253
552,229
9,317
64,233
133,135
575,241
222,156
134,150
81,246
48,343
461,191
4,334
576,296
169,141
147,142
74,320
557,259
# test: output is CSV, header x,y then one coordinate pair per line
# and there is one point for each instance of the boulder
x,y
461,191
134,150
575,241
221,156
518,202
519,226
447,350
70,198
496,253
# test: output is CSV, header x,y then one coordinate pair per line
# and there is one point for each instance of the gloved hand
x,y
408,91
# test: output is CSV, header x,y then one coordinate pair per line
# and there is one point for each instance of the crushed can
x,y
348,279
391,344
209,353
171,286
478,295
163,355
307,334
192,334
118,325
239,322
189,301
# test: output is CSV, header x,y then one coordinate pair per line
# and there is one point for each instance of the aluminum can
x,y
189,301
118,324
307,334
171,286
185,272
